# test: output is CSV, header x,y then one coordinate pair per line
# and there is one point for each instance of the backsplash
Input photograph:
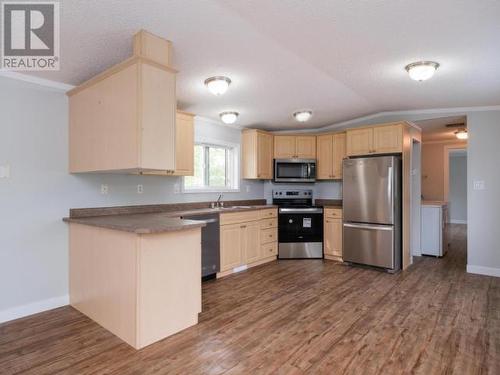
x,y
321,189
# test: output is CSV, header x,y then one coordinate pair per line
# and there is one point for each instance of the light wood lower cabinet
x,y
231,249
247,238
332,233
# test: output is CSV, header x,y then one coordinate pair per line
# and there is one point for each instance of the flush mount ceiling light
x,y
229,117
302,116
462,134
422,70
217,85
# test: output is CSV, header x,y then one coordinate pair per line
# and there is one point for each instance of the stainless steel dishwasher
x,y
210,245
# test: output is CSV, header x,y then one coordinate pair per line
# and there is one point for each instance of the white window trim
x,y
236,166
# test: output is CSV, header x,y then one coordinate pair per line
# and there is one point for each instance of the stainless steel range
x,y
300,225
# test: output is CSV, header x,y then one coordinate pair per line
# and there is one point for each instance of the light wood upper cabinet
x,y
382,139
124,119
339,154
330,152
184,144
305,147
359,141
257,154
291,146
284,146
388,139
324,166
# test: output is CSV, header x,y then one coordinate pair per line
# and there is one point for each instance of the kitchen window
x,y
215,169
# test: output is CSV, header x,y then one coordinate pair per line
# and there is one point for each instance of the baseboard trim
x,y
33,308
480,270
458,221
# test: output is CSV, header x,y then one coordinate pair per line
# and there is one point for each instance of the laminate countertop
x,y
328,203
157,222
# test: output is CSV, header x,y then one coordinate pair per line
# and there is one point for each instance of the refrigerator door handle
x,y
390,188
369,226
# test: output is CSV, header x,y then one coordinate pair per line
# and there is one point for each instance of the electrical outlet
x,y
479,185
140,189
177,188
247,188
104,189
4,171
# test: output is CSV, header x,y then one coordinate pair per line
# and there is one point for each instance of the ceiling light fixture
x,y
229,117
422,70
462,134
302,116
217,85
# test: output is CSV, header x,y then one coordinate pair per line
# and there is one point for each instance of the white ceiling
x,y
436,130
342,59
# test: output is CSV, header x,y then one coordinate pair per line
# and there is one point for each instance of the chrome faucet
x,y
219,202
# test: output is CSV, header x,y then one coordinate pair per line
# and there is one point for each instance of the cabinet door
x,y
359,141
325,157
231,239
251,242
305,147
284,146
388,139
264,156
333,237
184,145
338,155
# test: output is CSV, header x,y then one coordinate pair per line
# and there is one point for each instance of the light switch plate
x,y
104,189
4,171
479,185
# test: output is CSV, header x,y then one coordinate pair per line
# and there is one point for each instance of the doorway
x,y
457,185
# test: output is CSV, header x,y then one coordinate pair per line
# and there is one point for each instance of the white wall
x,y
39,193
457,198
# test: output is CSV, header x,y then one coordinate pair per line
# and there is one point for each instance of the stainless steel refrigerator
x,y
372,211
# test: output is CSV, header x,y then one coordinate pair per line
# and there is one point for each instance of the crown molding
x,y
59,86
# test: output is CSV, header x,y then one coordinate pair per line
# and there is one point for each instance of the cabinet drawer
x,y
269,249
269,213
268,235
268,223
238,217
335,213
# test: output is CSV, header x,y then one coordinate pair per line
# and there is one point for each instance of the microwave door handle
x,y
308,170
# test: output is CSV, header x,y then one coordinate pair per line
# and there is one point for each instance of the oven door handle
x,y
311,210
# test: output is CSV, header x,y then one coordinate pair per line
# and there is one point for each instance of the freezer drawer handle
x,y
368,226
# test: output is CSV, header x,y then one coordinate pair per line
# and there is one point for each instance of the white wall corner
x,y
33,308
480,270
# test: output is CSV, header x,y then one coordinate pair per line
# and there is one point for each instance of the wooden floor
x,y
294,317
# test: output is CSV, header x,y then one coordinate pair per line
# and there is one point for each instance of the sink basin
x,y
238,207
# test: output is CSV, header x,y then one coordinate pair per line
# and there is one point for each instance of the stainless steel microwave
x,y
294,170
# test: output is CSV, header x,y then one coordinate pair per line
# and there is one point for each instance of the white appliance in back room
x,y
372,211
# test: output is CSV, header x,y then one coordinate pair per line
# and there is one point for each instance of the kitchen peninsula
x,y
137,275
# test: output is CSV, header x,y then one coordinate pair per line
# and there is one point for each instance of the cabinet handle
x,y
243,226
